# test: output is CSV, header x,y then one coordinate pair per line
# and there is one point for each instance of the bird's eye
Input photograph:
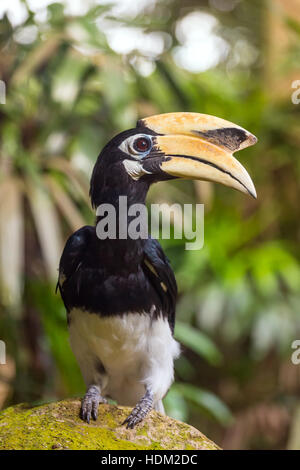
x,y
142,144
137,146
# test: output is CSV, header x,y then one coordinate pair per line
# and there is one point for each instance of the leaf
x,y
65,204
205,193
47,226
206,401
79,183
293,24
176,405
41,54
67,80
185,369
11,242
198,342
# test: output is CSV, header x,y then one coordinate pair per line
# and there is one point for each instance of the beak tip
x,y
252,192
253,139
249,141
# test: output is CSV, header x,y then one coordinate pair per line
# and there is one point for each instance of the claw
x,y
95,411
132,421
134,418
139,411
90,404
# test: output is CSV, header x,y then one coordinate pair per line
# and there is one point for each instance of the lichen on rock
x,y
58,426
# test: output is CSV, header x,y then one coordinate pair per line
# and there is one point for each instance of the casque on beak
x,y
199,146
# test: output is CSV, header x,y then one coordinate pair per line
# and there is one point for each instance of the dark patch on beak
x,y
230,138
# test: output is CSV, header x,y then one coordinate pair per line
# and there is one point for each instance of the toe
x,y
95,405
131,421
86,410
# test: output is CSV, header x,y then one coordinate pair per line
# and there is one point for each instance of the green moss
x,y
57,426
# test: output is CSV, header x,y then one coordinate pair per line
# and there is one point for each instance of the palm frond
x,y
36,58
47,226
78,181
11,241
65,204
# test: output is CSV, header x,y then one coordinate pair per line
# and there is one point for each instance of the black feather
x,y
112,277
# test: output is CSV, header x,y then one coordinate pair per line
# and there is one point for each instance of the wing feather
x,y
159,272
71,260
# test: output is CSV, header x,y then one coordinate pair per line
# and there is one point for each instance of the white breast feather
x,y
134,350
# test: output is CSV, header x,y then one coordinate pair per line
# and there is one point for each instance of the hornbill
x,y
120,293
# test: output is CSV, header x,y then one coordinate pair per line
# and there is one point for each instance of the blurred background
x,y
76,73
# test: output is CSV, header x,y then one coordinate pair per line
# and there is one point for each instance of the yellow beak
x,y
199,146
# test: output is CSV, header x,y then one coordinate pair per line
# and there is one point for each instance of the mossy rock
x,y
58,426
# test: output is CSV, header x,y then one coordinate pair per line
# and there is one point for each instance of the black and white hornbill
x,y
120,294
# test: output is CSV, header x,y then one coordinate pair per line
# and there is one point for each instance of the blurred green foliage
x,y
67,93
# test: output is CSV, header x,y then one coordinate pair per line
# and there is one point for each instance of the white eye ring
x,y
129,145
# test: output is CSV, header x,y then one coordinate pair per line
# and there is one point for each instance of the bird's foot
x,y
139,411
90,404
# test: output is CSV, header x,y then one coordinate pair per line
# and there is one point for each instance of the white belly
x,y
134,350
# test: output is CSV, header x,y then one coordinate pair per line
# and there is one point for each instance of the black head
x,y
130,162
186,145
